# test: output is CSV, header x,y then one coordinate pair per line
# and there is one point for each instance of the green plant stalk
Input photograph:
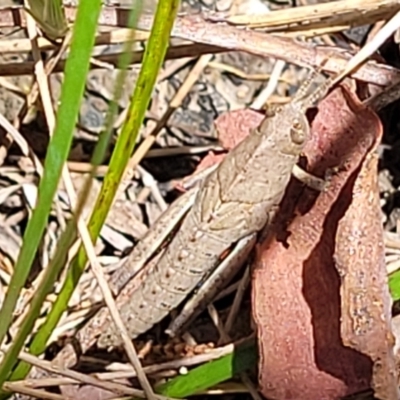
x,y
394,285
76,69
205,376
123,64
56,156
38,344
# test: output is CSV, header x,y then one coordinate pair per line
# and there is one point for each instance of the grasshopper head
x,y
288,127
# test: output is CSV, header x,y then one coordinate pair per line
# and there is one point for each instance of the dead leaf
x,y
365,299
234,126
297,289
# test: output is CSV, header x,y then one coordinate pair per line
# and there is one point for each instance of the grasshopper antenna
x,y
318,94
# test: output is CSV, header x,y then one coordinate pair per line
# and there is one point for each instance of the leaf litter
x,y
360,308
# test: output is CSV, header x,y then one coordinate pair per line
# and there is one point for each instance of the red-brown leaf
x,y
296,285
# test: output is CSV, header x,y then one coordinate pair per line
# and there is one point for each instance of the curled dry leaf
x,y
234,126
365,300
320,296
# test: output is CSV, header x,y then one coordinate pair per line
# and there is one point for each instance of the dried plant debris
x,y
319,286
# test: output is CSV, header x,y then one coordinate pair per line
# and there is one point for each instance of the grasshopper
x,y
235,201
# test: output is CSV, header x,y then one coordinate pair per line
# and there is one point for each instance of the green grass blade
x,y
72,91
243,358
394,285
123,64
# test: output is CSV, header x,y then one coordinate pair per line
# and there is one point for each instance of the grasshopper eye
x,y
297,133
